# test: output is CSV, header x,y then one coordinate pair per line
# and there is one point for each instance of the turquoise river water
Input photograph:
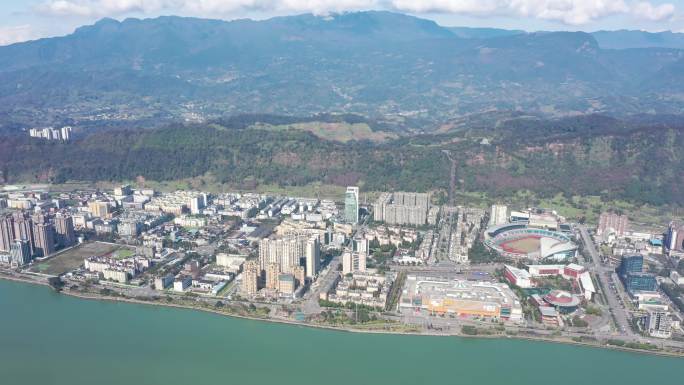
x,y
47,338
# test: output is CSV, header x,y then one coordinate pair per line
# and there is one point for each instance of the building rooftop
x,y
560,298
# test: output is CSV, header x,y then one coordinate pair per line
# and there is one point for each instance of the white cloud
x,y
314,6
64,8
573,12
15,34
648,11
101,7
197,7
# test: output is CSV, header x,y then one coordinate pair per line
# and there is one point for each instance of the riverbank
x,y
79,341
341,328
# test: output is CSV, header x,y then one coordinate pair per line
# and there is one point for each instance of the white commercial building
x,y
182,283
498,215
353,261
587,285
518,277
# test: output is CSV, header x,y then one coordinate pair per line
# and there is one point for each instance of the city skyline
x,y
402,174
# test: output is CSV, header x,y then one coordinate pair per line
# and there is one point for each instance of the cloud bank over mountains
x,y
31,19
569,12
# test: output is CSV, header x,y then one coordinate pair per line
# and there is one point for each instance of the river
x,y
49,338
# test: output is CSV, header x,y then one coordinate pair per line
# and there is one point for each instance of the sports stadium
x,y
518,241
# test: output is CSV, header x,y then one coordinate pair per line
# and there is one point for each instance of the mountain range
x,y
387,66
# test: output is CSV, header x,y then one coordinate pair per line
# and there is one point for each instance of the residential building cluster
x,y
303,227
362,288
34,200
51,133
25,236
271,249
424,250
612,225
198,276
466,231
391,235
118,270
284,264
401,208
178,202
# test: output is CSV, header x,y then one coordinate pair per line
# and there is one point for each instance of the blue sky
x,y
30,19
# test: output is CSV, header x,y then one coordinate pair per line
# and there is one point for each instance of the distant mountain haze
x,y
378,64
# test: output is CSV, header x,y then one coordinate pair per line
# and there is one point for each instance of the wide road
x,y
602,272
324,284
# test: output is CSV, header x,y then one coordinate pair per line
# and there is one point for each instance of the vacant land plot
x,y
73,258
340,132
123,253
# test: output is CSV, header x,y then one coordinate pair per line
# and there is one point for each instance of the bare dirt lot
x,y
71,259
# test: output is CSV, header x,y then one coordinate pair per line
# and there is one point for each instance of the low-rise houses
x,y
190,221
178,202
424,251
231,262
659,324
405,257
119,270
391,235
363,288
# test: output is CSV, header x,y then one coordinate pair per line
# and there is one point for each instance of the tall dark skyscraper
x,y
64,229
631,264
